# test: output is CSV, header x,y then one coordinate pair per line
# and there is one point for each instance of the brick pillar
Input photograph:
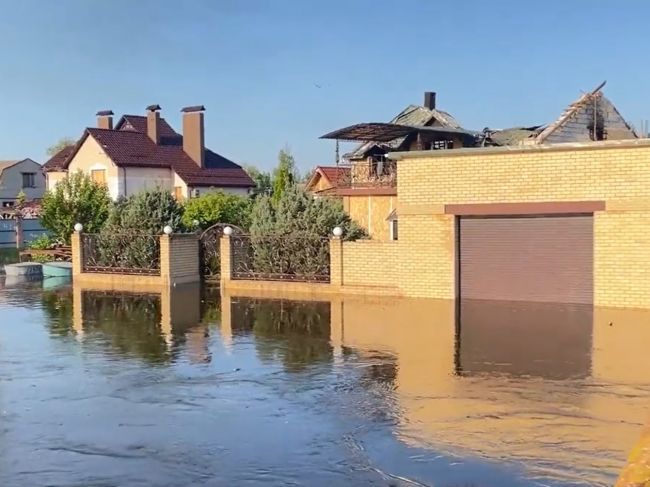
x,y
336,261
77,254
165,259
224,250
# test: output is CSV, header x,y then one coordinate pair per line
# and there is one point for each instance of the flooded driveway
x,y
192,388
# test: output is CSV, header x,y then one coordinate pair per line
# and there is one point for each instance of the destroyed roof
x,y
511,136
413,116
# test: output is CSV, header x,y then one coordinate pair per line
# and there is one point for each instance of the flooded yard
x,y
192,388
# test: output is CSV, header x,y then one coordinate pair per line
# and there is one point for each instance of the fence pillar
x,y
77,254
226,268
18,227
179,259
336,261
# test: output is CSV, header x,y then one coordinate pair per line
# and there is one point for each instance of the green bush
x,y
75,199
146,212
43,242
217,207
290,235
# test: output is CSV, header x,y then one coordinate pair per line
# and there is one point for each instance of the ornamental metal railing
x,y
367,173
123,253
293,257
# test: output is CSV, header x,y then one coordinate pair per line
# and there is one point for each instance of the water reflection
x,y
295,333
422,389
546,340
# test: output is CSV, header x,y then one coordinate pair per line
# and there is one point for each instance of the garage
x,y
533,258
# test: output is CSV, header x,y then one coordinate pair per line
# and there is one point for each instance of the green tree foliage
x,y
62,143
146,212
21,198
217,207
284,176
75,199
290,235
262,179
126,240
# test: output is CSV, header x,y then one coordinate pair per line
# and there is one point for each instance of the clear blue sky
x,y
256,65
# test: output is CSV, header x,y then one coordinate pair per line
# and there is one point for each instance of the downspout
x,y
124,176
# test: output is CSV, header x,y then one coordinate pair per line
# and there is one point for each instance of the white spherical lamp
x,y
78,227
227,231
168,230
338,231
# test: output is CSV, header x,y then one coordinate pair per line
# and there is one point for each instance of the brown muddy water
x,y
192,388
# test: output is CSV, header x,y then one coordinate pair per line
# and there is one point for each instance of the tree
x,y
290,235
61,144
262,179
284,176
75,199
21,198
146,212
217,207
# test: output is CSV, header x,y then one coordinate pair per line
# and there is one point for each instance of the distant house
x,y
370,192
592,117
22,175
146,152
326,178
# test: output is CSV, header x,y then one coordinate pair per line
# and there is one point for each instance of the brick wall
x,y
370,263
615,172
184,258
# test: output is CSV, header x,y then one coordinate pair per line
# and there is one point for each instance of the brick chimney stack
x,y
194,133
430,100
105,119
153,129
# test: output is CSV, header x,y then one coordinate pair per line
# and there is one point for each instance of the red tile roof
x,y
128,145
333,172
57,161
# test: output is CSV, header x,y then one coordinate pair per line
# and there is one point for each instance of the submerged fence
x,y
29,228
294,257
127,253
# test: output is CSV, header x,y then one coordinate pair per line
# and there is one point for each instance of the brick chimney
x,y
430,100
105,119
153,116
193,133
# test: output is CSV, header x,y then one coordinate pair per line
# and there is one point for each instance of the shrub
x,y
146,212
217,207
75,199
290,236
43,242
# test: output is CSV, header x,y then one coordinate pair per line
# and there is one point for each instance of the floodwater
x,y
191,388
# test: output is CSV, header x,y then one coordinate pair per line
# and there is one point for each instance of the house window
x,y
442,144
7,204
29,179
393,229
98,176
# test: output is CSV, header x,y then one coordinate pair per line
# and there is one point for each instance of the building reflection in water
x,y
561,389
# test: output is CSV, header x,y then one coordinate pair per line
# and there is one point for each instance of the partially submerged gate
x,y
210,250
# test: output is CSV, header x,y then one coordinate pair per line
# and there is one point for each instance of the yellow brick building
x,y
607,183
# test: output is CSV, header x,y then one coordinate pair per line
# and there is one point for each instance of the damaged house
x,y
368,185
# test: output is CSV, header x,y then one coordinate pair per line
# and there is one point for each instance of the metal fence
x,y
292,257
31,230
127,253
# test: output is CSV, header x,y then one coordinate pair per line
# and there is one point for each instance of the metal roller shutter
x,y
527,258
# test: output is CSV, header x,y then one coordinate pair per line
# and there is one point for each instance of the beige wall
x,y
177,181
53,177
142,178
91,156
369,263
604,171
371,212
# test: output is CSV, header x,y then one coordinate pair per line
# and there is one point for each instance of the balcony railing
x,y
368,173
